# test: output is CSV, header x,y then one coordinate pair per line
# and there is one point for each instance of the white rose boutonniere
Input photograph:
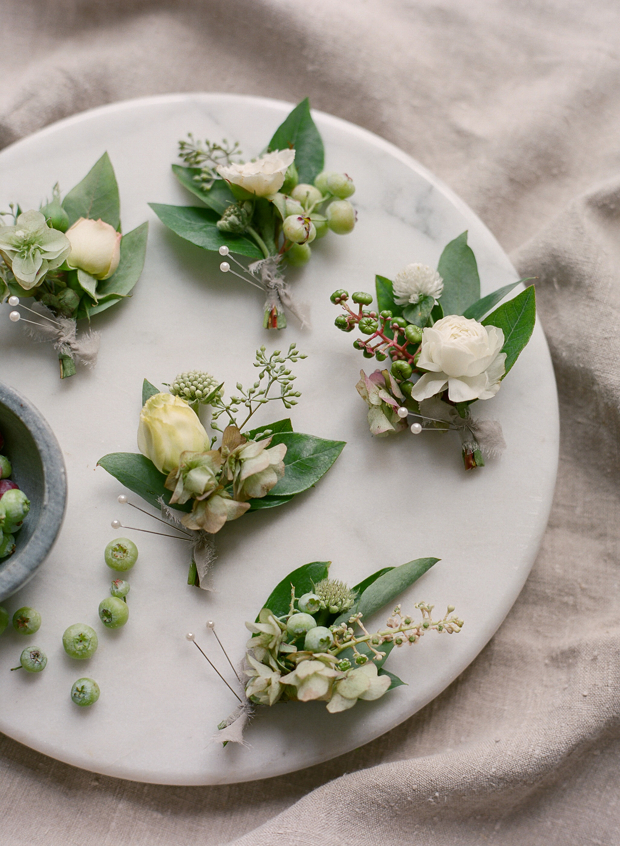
x,y
263,177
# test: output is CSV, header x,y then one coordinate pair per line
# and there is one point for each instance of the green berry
x,y
361,297
121,554
291,179
339,296
26,620
5,467
318,639
399,323
7,544
119,588
368,325
340,217
413,334
4,618
342,322
386,314
309,603
380,356
16,506
333,182
320,224
113,612
299,229
307,195
358,345
298,255
80,641
368,353
85,692
299,624
33,659
401,370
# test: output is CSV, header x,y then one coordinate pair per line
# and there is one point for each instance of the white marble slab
x,y
384,502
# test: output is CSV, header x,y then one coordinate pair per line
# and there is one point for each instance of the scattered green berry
x,y
80,641
7,544
5,467
121,554
85,692
113,612
33,659
26,621
119,588
16,506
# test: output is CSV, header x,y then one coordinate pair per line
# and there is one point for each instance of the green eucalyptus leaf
x,y
361,587
279,426
140,475
87,283
396,682
148,390
96,196
307,459
120,285
478,309
198,226
299,131
516,319
459,270
218,197
269,502
419,313
303,579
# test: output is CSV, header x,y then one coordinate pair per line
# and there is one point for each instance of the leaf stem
x,y
263,247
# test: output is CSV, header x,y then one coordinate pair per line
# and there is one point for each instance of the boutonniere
x,y
270,209
312,641
71,259
445,348
200,479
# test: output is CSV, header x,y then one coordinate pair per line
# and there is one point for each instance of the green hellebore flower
x,y
196,476
253,469
313,679
210,514
362,683
31,248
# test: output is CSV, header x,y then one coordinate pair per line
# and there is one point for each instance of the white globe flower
x,y
462,355
263,177
414,282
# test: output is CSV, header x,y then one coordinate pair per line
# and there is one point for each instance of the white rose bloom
x,y
95,247
414,282
463,355
263,177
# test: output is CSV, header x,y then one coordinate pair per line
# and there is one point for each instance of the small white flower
x,y
263,177
414,282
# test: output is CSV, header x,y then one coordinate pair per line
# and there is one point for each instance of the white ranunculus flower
x,y
263,177
95,247
462,355
414,282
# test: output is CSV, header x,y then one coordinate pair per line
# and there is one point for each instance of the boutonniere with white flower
x,y
200,479
312,641
445,345
70,258
270,209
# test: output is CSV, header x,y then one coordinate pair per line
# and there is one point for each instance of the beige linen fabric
x,y
516,105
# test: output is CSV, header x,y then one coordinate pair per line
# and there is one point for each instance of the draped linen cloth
x,y
516,105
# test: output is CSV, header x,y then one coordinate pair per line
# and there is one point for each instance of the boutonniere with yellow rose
x,y
270,209
71,259
445,347
200,479
314,641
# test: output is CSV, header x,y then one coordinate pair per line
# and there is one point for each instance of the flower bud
x,y
318,639
307,195
236,218
340,217
168,427
300,624
55,215
298,255
299,229
95,247
333,182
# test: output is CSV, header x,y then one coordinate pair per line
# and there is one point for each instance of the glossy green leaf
x,y
140,475
269,502
218,197
396,682
120,285
459,270
478,309
361,587
516,319
307,459
198,226
303,579
87,283
385,296
279,426
419,313
299,131
96,196
148,390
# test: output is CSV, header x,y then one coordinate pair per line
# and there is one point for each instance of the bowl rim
x,y
18,569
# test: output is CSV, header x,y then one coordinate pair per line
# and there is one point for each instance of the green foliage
x,y
279,426
478,309
303,580
419,313
120,285
307,459
299,131
148,390
198,226
140,475
96,196
459,271
218,197
516,319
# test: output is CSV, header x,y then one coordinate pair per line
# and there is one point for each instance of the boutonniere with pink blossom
x,y
71,261
443,345
271,209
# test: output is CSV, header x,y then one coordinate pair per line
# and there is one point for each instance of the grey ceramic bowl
x,y
39,470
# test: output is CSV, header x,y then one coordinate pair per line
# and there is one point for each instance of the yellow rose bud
x,y
168,427
95,247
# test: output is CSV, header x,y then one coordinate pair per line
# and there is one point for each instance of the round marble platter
x,y
385,501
